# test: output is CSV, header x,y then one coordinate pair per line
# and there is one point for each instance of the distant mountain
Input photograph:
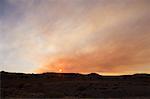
x,y
71,75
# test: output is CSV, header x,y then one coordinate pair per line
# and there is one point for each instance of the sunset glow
x,y
60,70
83,36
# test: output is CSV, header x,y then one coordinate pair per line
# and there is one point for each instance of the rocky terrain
x,y
74,85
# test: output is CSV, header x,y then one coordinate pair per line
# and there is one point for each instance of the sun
x,y
60,70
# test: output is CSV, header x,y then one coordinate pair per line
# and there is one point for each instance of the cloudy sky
x,y
102,36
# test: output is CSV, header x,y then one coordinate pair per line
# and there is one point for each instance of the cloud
x,y
76,35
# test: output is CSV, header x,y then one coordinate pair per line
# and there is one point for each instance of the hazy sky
x,y
103,36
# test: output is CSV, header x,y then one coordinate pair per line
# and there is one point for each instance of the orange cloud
x,y
75,36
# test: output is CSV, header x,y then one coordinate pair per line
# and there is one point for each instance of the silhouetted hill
x,y
74,85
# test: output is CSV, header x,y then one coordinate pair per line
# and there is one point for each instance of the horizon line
x,y
77,73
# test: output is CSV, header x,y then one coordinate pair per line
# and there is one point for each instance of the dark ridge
x,y
73,76
76,74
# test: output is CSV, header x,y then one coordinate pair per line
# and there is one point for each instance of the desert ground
x,y
74,85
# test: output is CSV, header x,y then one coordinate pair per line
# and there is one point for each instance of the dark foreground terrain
x,y
71,85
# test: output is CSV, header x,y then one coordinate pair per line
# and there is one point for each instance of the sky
x,y
82,36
